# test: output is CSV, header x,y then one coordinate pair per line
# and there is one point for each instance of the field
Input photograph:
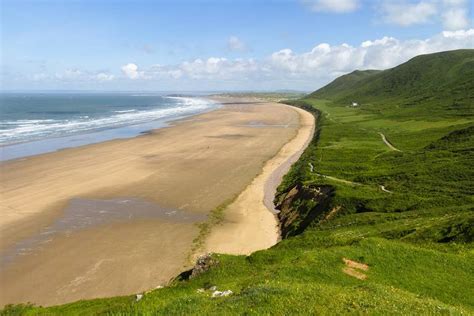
x,y
377,214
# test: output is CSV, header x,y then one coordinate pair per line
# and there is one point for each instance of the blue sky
x,y
217,45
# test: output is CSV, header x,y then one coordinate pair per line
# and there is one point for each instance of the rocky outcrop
x,y
301,205
203,264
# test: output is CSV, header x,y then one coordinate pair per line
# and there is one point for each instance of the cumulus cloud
x,y
335,6
235,44
131,71
324,62
381,53
406,14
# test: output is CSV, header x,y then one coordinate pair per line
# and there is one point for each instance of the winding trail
x,y
336,179
311,167
382,187
388,143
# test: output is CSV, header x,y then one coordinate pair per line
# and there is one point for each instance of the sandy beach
x,y
250,222
120,217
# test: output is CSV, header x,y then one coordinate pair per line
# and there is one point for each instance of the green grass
x,y
304,275
214,218
417,240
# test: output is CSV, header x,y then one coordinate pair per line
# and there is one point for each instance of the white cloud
x,y
455,19
311,69
102,76
335,6
216,67
131,71
376,54
211,68
284,68
235,44
455,14
70,74
406,14
467,35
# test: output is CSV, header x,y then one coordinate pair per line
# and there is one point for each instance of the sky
x,y
213,45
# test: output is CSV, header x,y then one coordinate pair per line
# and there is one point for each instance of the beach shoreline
x,y
250,222
189,168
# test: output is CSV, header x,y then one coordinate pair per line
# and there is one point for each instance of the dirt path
x,y
355,269
311,168
382,187
337,179
388,143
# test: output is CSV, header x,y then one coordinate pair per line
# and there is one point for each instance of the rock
x,y
213,288
203,264
201,290
222,294
138,297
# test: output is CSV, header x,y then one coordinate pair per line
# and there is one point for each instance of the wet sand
x,y
62,239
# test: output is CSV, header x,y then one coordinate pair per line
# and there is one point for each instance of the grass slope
x,y
442,82
416,239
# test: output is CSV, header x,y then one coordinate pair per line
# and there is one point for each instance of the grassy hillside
x,y
441,82
403,214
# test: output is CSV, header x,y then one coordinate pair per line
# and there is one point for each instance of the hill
x,y
437,80
377,216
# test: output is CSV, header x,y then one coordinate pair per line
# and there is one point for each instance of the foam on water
x,y
31,129
27,131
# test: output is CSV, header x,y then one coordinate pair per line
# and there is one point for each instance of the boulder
x,y
221,293
203,264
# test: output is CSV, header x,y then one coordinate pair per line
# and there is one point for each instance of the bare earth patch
x,y
332,213
353,268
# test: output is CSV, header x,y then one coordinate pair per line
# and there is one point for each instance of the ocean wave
x,y
125,111
22,122
25,130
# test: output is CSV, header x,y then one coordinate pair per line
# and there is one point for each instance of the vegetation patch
x,y
215,217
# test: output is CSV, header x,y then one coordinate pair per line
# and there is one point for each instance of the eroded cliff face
x,y
301,205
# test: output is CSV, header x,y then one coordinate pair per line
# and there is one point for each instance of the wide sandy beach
x,y
120,217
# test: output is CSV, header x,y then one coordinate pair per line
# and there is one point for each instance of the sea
x,y
37,123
